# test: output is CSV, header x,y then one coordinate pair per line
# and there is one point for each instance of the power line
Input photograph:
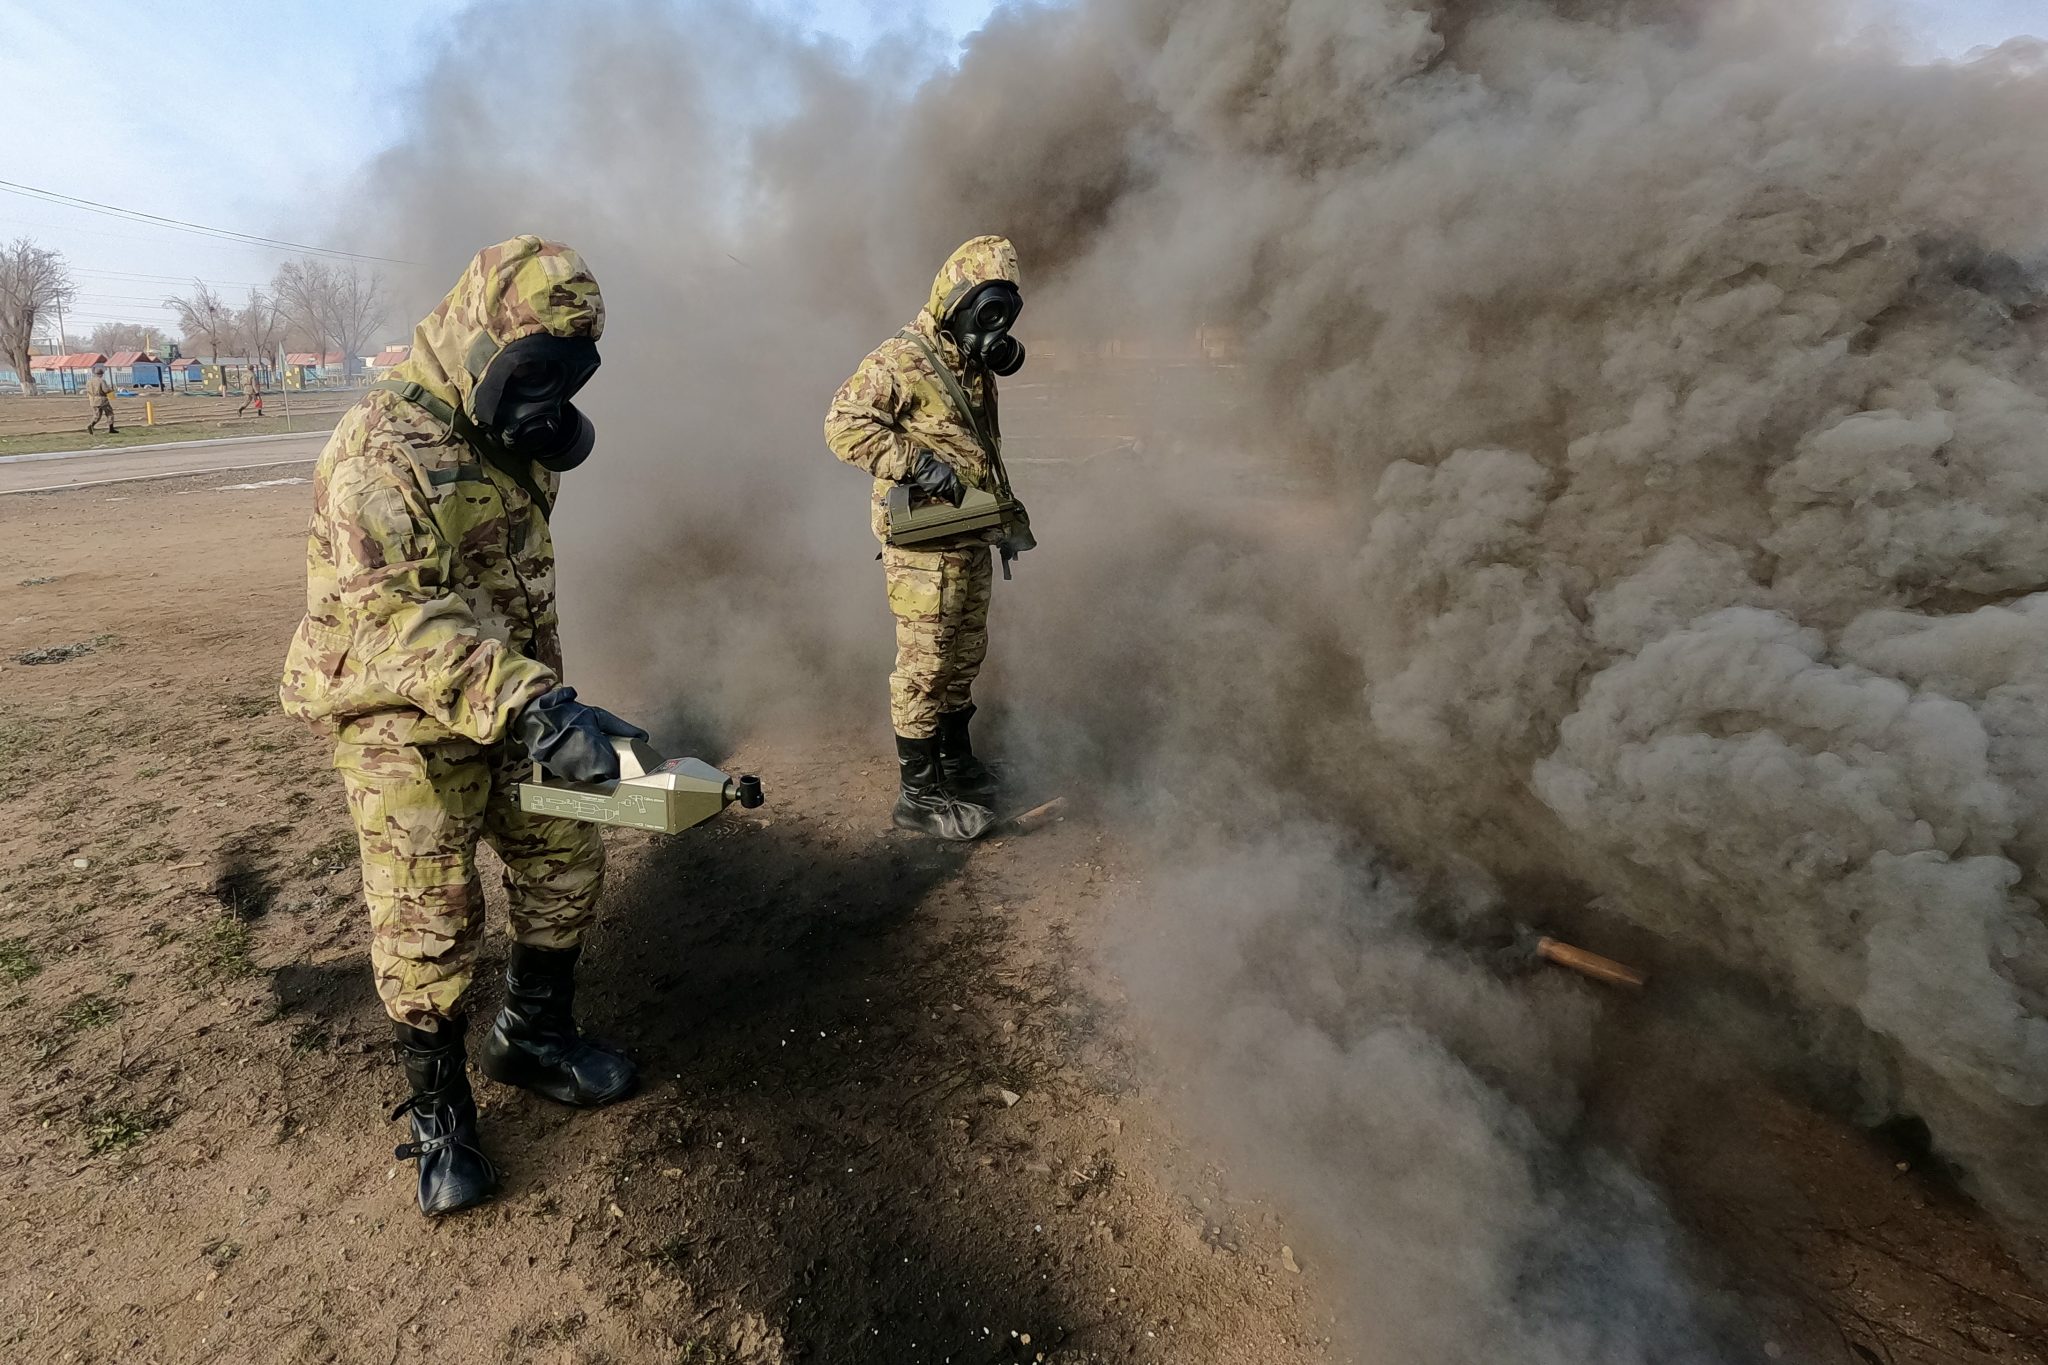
x,y
93,299
179,224
73,230
166,279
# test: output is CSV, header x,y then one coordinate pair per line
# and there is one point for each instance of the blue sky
x,y
178,111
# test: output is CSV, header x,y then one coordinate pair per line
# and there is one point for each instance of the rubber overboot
x,y
534,1043
454,1172
924,803
966,777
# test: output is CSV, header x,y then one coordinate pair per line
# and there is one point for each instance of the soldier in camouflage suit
x,y
252,392
99,393
430,653
897,420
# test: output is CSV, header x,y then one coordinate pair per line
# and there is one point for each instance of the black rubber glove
x,y
937,478
572,740
1017,537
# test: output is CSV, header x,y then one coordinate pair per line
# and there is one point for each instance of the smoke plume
x,y
1635,475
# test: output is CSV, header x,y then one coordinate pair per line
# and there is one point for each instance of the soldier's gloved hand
x,y
1017,537
937,478
572,740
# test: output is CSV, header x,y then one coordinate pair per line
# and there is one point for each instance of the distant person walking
x,y
252,394
99,393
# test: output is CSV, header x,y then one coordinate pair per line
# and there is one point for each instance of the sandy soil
x,y
196,1162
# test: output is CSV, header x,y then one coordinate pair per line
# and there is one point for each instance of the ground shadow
x,y
338,992
794,1001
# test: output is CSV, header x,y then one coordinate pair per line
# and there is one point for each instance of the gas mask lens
x,y
534,374
994,311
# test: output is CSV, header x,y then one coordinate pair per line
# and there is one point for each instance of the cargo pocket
x,y
419,805
318,654
915,594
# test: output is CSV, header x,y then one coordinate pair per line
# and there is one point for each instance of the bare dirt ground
x,y
196,1162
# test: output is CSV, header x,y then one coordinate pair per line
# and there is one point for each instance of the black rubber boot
x,y
925,805
535,1046
964,775
454,1172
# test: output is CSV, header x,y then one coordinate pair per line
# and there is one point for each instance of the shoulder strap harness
x,y
518,470
958,395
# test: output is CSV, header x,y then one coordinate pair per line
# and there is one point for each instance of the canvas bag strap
x,y
958,397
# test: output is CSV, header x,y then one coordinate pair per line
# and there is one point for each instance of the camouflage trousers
x,y
419,811
940,601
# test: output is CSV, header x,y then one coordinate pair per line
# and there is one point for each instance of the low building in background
x,y
138,370
378,365
213,374
305,369
63,373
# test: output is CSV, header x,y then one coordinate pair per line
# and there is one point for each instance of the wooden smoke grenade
x,y
1589,964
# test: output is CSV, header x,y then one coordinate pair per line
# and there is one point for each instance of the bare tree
x,y
33,283
110,337
359,308
262,324
341,306
204,317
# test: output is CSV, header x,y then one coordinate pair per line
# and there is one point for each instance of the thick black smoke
x,y
1637,474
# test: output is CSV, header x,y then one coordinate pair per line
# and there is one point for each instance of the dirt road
x,y
827,1164
46,471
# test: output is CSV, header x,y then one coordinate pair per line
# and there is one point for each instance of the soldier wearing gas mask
x,y
430,653
921,410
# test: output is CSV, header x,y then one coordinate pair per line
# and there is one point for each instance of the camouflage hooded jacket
x,y
895,403
430,575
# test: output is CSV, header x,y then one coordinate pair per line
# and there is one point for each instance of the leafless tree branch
x,y
33,283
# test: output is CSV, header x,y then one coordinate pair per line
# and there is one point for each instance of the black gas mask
x,y
522,400
981,324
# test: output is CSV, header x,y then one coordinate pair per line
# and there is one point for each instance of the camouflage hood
x,y
515,289
974,264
